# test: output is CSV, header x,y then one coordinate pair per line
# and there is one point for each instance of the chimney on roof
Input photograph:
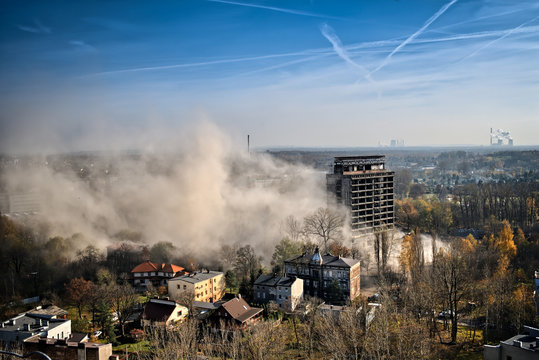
x,y
238,296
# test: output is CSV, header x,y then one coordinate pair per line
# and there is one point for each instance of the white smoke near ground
x,y
207,194
365,244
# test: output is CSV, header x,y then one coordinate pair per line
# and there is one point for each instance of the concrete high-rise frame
x,y
364,185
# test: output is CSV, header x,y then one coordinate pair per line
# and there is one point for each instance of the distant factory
x,y
500,137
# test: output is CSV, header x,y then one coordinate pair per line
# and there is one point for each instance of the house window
x,y
185,287
179,286
280,296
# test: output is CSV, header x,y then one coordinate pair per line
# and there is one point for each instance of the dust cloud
x,y
206,194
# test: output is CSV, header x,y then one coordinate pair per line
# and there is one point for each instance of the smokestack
x,y
248,145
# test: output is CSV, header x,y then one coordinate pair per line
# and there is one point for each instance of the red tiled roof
x,y
149,266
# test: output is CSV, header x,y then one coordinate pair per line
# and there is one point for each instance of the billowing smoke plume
x,y
207,194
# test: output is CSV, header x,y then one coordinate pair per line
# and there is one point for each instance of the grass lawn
x,y
140,346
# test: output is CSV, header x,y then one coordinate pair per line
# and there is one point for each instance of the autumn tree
x,y
78,292
325,224
406,214
412,257
503,245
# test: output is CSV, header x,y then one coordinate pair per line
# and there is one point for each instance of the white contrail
x,y
206,63
325,51
273,8
414,35
505,34
329,34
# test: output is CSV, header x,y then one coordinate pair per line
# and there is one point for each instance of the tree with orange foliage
x,y
78,292
412,256
503,245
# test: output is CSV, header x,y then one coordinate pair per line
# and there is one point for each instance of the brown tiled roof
x,y
240,310
149,266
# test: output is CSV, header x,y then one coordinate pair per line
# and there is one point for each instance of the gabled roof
x,y
149,266
240,310
159,310
326,260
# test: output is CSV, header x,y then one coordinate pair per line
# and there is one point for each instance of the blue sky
x,y
136,74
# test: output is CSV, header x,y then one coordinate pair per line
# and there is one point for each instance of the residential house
x,y
523,347
235,314
64,349
287,292
207,286
24,326
162,313
334,279
157,274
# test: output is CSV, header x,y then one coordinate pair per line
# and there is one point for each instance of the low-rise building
x,y
23,326
162,313
207,286
48,312
523,347
235,314
66,350
287,292
334,279
157,274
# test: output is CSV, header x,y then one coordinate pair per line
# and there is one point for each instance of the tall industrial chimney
x,y
248,145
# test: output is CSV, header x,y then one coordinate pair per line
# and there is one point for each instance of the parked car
x,y
445,314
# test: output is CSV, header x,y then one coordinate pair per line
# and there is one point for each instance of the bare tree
x,y
326,224
247,262
292,228
124,300
342,334
383,244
